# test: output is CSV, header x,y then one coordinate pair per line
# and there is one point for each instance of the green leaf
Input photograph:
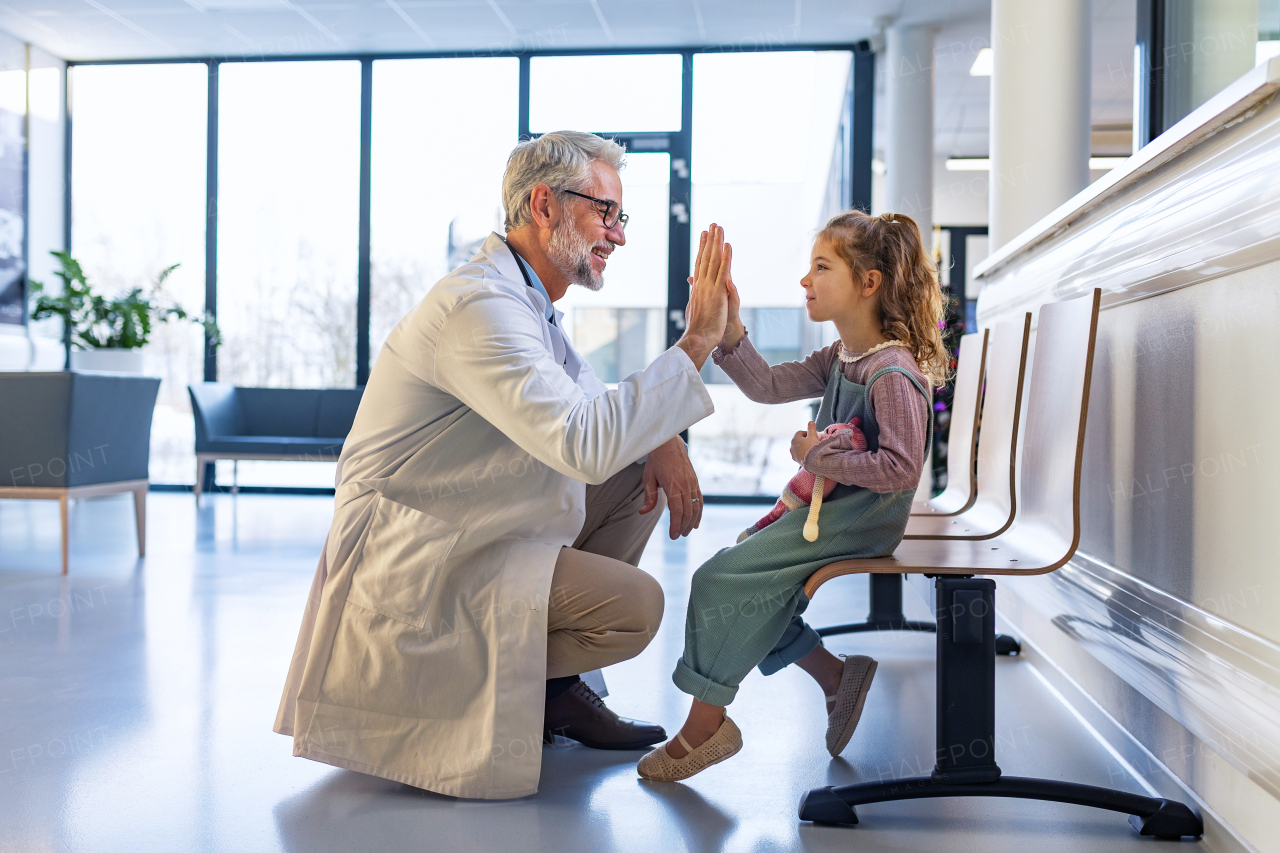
x,y
123,322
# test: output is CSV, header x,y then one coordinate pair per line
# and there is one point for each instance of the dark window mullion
x,y
363,285
208,474
522,117
211,222
861,114
681,207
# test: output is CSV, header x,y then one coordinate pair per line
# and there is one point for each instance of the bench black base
x,y
966,735
886,615
1167,819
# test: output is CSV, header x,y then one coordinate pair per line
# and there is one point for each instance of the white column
x,y
1039,110
909,143
908,154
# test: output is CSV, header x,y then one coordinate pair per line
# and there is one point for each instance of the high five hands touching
x,y
713,306
707,316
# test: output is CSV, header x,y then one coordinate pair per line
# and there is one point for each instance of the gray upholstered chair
x,y
72,434
270,423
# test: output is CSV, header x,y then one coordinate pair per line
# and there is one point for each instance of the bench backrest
x,y
1057,408
962,437
1001,415
279,411
216,409
224,410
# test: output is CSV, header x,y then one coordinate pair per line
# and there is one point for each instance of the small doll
x,y
808,489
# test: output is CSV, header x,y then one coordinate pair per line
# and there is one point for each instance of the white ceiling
x,y
117,29
127,29
962,103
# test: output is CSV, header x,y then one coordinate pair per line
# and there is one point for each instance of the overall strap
x,y
826,408
928,399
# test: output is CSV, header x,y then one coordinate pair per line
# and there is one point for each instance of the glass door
x,y
767,125
621,328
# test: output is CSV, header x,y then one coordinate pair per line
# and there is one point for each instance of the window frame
x,y
855,162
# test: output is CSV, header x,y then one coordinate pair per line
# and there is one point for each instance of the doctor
x,y
493,501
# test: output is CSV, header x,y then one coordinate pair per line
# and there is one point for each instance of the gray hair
x,y
561,160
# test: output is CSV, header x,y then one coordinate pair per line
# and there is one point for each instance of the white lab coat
x,y
422,653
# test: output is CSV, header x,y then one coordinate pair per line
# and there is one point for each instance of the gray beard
x,y
570,251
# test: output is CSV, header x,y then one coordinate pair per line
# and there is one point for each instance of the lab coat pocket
x,y
404,555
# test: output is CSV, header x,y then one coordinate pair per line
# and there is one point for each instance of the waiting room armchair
x,y
72,434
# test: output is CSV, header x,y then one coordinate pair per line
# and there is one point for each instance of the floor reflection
x,y
137,698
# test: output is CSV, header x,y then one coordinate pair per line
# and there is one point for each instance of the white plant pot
x,y
113,360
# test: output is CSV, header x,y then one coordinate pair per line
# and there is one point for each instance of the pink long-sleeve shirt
x,y
901,412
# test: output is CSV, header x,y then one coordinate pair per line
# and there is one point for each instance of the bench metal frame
x,y
1044,537
203,459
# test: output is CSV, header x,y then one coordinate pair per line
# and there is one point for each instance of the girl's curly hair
x,y
911,303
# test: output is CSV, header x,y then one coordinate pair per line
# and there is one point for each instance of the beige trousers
x,y
602,608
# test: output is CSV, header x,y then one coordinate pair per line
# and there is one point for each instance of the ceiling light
x,y
1104,164
983,64
969,164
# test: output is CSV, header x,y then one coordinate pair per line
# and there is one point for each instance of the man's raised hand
x,y
708,310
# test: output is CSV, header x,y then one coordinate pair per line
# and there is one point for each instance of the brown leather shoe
x,y
579,714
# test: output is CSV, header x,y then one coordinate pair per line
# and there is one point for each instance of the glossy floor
x,y
137,696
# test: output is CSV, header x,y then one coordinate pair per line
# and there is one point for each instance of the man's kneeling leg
x,y
601,611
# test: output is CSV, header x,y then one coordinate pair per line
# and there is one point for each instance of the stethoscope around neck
x,y
525,273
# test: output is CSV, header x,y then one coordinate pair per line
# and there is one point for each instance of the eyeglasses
x,y
610,211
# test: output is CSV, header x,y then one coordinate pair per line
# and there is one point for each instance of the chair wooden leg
x,y
140,517
66,529
199,478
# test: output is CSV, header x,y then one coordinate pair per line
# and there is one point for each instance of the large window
x,y
138,169
288,241
436,190
287,210
622,327
643,93
766,127
288,207
1191,49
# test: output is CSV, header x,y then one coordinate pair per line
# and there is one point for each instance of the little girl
x,y
872,276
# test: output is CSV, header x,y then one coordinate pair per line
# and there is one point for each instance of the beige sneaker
x,y
659,766
855,682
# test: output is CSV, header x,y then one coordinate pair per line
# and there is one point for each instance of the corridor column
x,y
908,154
1039,111
909,143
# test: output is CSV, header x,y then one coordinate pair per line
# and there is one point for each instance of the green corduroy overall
x,y
745,602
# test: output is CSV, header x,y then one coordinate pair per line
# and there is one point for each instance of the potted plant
x,y
109,333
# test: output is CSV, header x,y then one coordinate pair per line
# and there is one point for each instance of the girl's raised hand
x,y
734,329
